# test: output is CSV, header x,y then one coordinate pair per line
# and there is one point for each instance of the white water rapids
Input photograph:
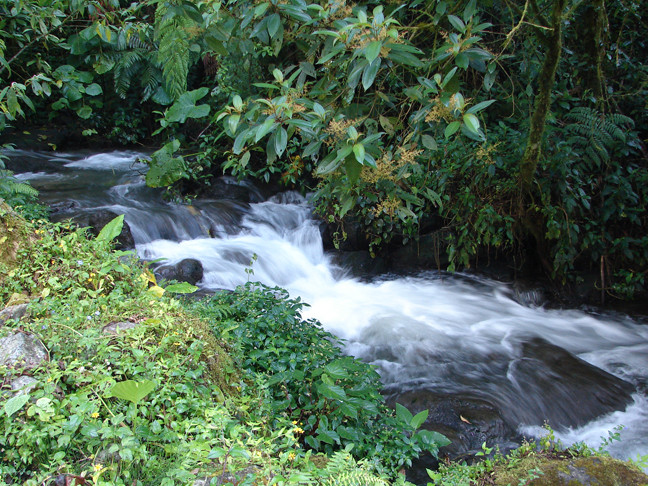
x,y
449,333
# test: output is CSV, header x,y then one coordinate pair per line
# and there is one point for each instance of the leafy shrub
x,y
333,400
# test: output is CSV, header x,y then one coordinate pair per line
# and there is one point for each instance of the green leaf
x,y
181,288
429,437
112,229
403,415
15,404
372,51
448,77
419,418
281,141
237,102
369,73
94,89
428,142
185,107
334,392
274,22
480,106
130,390
471,122
216,45
457,23
12,103
353,169
452,128
359,151
337,369
239,141
462,60
84,112
232,122
264,128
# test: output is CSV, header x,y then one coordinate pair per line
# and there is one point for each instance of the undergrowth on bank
x,y
169,399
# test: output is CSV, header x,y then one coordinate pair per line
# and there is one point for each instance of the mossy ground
x,y
559,470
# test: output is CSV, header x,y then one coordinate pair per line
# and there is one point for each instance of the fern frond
x,y
356,477
126,68
173,34
596,133
12,190
150,79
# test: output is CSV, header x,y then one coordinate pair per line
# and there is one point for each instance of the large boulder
x,y
188,270
98,219
22,350
557,387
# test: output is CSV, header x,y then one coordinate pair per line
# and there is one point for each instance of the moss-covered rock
x,y
15,234
543,470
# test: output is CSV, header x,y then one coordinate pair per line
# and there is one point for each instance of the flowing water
x,y
451,334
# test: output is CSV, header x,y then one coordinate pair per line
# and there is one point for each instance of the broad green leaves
x,y
15,403
185,107
164,168
133,391
112,229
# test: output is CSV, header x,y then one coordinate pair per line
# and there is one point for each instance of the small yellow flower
x,y
294,422
94,415
49,380
298,430
98,467
291,456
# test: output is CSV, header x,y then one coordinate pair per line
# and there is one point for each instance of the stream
x,y
438,340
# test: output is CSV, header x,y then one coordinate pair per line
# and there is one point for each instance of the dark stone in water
x,y
333,236
467,421
360,263
562,389
98,219
188,270
428,252
227,189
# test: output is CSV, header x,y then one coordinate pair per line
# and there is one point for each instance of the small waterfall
x,y
459,334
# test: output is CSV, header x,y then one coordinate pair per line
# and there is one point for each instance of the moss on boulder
x,y
15,233
544,470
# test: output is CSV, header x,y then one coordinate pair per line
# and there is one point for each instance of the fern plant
x,y
597,133
343,470
13,191
175,27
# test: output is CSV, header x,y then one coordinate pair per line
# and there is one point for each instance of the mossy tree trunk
x,y
531,221
590,27
553,45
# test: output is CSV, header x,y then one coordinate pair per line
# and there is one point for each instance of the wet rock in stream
x,y
188,270
98,219
562,389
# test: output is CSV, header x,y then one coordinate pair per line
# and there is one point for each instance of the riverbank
x,y
129,384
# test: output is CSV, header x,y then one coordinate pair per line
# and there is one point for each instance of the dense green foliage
x,y
334,399
498,125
